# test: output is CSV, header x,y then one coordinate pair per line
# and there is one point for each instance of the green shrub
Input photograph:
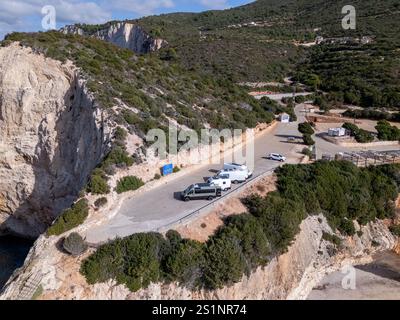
x,y
118,156
333,238
395,230
74,244
387,132
361,135
308,140
70,218
338,189
176,169
307,152
346,227
98,183
101,202
129,183
306,128
157,176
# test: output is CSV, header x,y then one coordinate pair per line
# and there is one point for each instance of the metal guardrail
x,y
218,200
198,211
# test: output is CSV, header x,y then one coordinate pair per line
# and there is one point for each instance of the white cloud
x,y
215,4
141,7
23,15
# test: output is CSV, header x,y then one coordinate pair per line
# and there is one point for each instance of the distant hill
x,y
263,41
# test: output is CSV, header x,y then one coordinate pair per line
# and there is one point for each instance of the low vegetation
x,y
387,132
98,183
74,244
339,190
129,183
372,114
70,218
361,135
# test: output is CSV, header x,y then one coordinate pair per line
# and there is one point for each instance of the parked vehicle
x,y
236,176
201,191
239,167
276,157
222,181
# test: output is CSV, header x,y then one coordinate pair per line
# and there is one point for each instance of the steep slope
x,y
152,89
52,136
124,35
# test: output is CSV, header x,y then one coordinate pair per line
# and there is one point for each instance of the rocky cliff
x,y
123,34
290,276
52,136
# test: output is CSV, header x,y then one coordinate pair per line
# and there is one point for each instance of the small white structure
x,y
285,118
337,132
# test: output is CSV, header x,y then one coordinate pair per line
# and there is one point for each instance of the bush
x,y
157,176
339,189
70,218
387,132
361,135
347,227
118,156
307,152
129,183
98,183
101,202
74,244
176,169
306,128
308,140
395,230
332,238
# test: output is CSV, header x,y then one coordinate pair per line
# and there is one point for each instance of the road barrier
x,y
207,207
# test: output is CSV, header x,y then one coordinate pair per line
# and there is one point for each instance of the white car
x,y
276,157
238,167
221,181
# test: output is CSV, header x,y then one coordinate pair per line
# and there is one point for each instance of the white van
x,y
236,176
238,167
221,181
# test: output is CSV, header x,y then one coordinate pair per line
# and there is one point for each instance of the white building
x,y
285,118
337,132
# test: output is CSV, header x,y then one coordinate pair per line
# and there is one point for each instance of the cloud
x,y
25,15
215,4
141,7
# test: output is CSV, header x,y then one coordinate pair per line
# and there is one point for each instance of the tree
x,y
308,140
306,128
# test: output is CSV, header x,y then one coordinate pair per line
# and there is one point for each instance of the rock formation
x,y
290,276
52,136
123,34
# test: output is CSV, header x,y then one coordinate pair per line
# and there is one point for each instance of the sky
x,y
28,15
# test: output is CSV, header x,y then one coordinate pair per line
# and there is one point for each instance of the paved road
x,y
159,207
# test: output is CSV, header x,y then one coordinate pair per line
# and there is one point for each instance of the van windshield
x,y
188,189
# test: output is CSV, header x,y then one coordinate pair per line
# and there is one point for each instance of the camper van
x,y
201,191
238,167
236,176
221,181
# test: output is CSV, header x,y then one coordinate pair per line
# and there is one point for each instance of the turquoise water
x,y
13,252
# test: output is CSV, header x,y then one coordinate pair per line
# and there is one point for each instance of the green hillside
x,y
152,89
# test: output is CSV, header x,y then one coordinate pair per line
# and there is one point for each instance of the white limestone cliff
x,y
52,135
123,34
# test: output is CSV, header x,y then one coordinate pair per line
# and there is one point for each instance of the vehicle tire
x,y
210,198
235,182
186,199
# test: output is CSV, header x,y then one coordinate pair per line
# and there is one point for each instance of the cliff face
x,y
52,136
123,34
291,276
